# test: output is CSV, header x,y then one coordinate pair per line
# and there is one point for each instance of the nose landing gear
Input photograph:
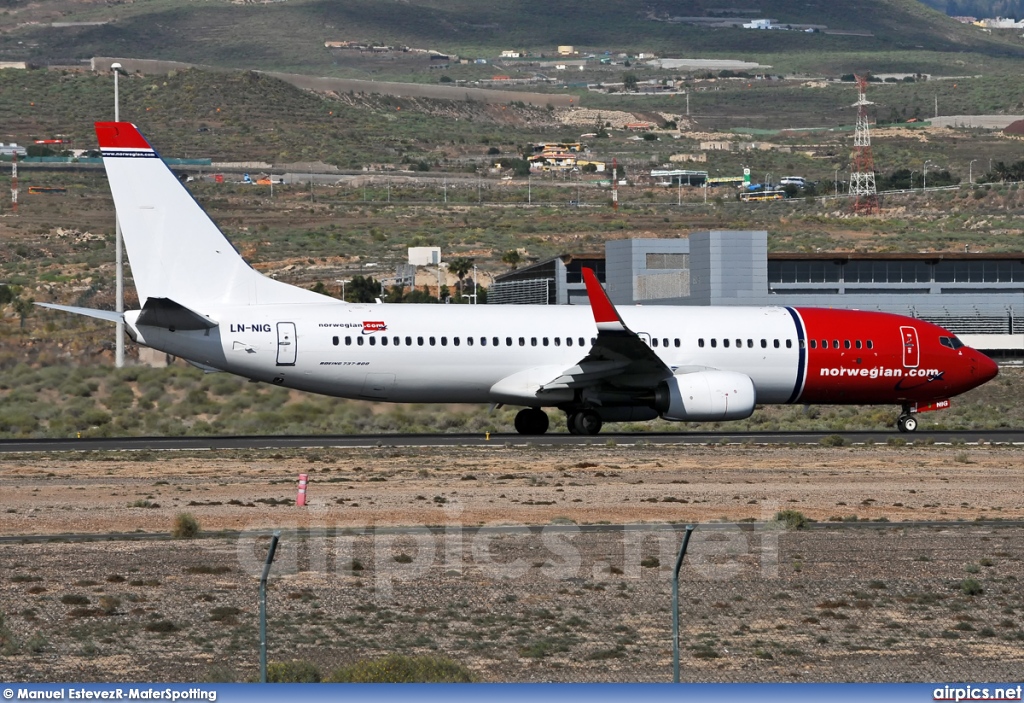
x,y
906,423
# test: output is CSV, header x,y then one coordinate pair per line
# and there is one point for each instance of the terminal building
x,y
977,296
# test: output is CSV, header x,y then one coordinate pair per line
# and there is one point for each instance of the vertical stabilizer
x,y
174,248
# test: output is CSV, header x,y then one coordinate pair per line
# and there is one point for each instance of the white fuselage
x,y
470,354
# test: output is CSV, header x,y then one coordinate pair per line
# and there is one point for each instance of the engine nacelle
x,y
706,396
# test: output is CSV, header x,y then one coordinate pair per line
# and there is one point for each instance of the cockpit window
x,y
951,342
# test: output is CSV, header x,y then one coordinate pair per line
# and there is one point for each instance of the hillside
x,y
290,35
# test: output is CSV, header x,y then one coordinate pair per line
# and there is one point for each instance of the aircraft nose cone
x,y
986,368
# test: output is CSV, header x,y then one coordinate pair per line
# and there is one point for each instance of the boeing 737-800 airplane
x,y
202,302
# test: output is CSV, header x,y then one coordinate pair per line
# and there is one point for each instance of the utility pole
x,y
118,249
14,182
862,177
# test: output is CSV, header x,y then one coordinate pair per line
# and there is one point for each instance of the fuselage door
x,y
286,344
911,349
645,337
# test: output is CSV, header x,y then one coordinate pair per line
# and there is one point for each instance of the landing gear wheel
x,y
906,423
585,422
531,421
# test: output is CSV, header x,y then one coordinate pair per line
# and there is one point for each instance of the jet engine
x,y
706,396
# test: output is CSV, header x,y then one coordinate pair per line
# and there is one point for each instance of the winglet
x,y
605,314
120,135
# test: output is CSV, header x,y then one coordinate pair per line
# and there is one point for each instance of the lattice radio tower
x,y
862,178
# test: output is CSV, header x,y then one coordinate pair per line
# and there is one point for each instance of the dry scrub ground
x,y
390,555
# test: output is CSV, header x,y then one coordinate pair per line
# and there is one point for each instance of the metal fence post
x,y
263,605
675,604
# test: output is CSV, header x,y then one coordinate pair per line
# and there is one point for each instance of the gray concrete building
x,y
979,297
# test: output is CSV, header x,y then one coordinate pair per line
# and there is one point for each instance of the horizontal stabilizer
x,y
164,312
108,315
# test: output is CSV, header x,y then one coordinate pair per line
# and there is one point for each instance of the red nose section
x,y
986,368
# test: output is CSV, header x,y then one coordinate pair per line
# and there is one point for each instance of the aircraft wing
x,y
619,357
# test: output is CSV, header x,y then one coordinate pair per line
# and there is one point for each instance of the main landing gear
x,y
531,421
586,422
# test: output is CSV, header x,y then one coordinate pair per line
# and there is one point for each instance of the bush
x,y
791,519
185,526
971,587
293,671
398,668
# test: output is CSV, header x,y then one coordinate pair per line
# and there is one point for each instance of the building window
x,y
668,261
887,272
803,271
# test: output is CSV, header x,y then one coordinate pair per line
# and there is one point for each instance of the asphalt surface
x,y
8,446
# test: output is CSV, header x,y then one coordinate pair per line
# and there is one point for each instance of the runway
x,y
9,446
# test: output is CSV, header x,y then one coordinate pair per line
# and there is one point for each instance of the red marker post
x,y
300,500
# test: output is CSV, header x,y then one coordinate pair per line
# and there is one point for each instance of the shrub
x,y
293,671
185,526
74,599
161,626
398,668
791,519
971,587
109,604
833,440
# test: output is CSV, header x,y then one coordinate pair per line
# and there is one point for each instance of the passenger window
x,y
858,344
483,341
568,341
359,341
545,340
776,344
383,341
408,341
444,341
593,340
835,343
433,341
396,341
654,342
750,344
764,343
494,341
522,341
455,341
725,343
846,343
871,345
739,343
583,342
789,344
677,341
508,341
419,341
335,340
533,341
803,343
348,341
814,345
714,342
700,342
373,341
558,341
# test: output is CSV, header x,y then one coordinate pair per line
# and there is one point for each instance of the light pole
x,y
970,172
835,181
767,180
118,250
912,179
924,182
342,282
